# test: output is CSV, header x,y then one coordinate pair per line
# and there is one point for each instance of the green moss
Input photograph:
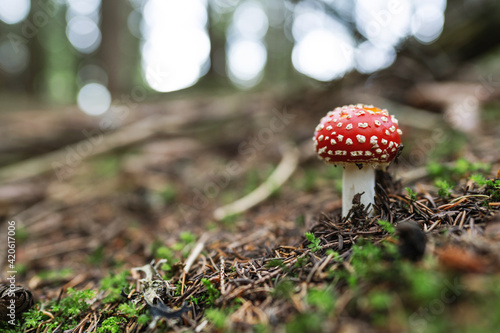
x,y
112,325
112,285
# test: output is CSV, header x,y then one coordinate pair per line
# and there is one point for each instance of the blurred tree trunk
x,y
217,35
113,26
37,56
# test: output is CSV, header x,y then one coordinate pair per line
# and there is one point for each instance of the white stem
x,y
355,180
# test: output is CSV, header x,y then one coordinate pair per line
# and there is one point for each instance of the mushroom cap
x,y
357,134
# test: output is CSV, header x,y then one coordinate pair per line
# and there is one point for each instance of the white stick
x,y
279,176
355,180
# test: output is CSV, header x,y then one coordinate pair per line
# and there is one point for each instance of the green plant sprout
x,y
444,188
387,226
412,195
315,242
492,186
212,292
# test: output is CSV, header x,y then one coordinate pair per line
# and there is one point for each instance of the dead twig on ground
x,y
279,176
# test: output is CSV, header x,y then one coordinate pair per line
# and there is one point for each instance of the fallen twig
x,y
279,176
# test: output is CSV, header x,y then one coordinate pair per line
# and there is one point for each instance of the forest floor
x,y
124,231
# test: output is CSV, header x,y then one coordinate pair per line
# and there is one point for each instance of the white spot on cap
x,y
333,133
327,137
334,120
357,153
384,141
393,150
387,132
339,125
378,151
329,128
391,144
322,150
332,141
319,127
340,137
384,119
373,140
383,156
368,153
361,138
321,137
330,152
394,120
348,127
363,125
392,129
377,122
341,152
360,113
327,159
400,132
348,141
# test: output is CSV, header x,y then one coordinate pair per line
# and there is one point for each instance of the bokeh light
x,y
250,20
323,55
176,46
14,11
246,51
94,99
246,60
428,21
82,29
84,7
84,34
371,58
384,23
324,48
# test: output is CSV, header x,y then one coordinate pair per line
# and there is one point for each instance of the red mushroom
x,y
359,138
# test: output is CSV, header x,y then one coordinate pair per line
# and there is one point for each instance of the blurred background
x,y
90,52
124,123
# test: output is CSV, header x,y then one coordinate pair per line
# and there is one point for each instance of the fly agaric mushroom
x,y
359,138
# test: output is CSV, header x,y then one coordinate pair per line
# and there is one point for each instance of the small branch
x,y
195,253
200,245
279,176
222,276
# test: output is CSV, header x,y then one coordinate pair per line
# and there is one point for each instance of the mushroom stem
x,y
355,180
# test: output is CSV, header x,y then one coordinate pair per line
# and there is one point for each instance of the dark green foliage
x,y
315,242
212,293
